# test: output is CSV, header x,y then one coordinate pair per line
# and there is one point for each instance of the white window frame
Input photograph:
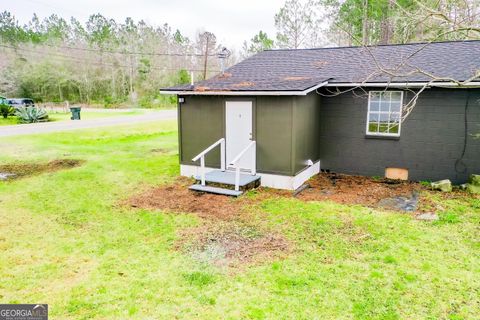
x,y
384,134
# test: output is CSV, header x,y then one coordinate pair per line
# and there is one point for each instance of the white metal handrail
x,y
202,154
234,163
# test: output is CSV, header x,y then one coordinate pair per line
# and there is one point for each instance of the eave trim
x,y
246,93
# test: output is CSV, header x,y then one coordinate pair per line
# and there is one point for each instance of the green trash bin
x,y
75,113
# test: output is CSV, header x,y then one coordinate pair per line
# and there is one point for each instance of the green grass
x,y
85,115
66,240
8,121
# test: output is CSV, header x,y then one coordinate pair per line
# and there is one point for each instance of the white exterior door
x,y
238,130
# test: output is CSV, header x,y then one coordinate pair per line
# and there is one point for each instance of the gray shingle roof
x,y
298,70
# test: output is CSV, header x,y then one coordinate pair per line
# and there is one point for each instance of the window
x,y
384,113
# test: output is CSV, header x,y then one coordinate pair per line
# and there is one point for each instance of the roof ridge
x,y
377,45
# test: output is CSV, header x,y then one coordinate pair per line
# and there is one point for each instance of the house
x,y
282,115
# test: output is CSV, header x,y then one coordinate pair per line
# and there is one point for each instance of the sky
x,y
231,21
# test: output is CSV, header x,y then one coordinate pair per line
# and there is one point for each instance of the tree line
x,y
317,23
102,61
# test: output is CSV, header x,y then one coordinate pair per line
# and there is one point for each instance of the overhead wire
x,y
132,52
83,60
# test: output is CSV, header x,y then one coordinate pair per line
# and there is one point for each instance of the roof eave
x,y
404,84
246,93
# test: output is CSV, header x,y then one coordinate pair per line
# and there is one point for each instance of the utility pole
x,y
207,39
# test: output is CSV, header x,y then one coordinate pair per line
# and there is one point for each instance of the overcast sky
x,y
232,21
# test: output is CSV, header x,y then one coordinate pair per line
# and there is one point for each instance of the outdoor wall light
x,y
181,100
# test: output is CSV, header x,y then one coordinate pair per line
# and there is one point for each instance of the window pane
x,y
374,105
393,128
395,106
384,117
374,96
385,106
395,95
394,116
373,127
373,117
383,127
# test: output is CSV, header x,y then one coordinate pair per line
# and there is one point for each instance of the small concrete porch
x,y
226,179
221,181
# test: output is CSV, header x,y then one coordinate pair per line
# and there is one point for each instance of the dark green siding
x,y
274,134
306,128
285,128
201,124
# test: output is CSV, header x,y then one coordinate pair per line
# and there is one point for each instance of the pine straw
x,y
346,189
177,198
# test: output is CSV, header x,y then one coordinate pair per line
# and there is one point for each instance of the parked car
x,y
21,102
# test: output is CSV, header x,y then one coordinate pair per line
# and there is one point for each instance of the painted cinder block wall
x,y
430,144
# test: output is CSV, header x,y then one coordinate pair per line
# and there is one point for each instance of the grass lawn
x,y
8,121
85,115
66,240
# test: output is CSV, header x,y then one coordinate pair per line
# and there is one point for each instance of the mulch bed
x,y
347,189
176,197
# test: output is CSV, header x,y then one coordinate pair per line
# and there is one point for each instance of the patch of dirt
x,y
231,243
177,198
228,235
346,189
20,170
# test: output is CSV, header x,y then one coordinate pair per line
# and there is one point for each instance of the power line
x,y
70,58
131,52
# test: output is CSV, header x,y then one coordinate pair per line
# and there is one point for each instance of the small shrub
x,y
31,114
6,110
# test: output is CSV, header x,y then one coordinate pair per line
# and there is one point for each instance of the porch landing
x,y
226,180
228,177
209,189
